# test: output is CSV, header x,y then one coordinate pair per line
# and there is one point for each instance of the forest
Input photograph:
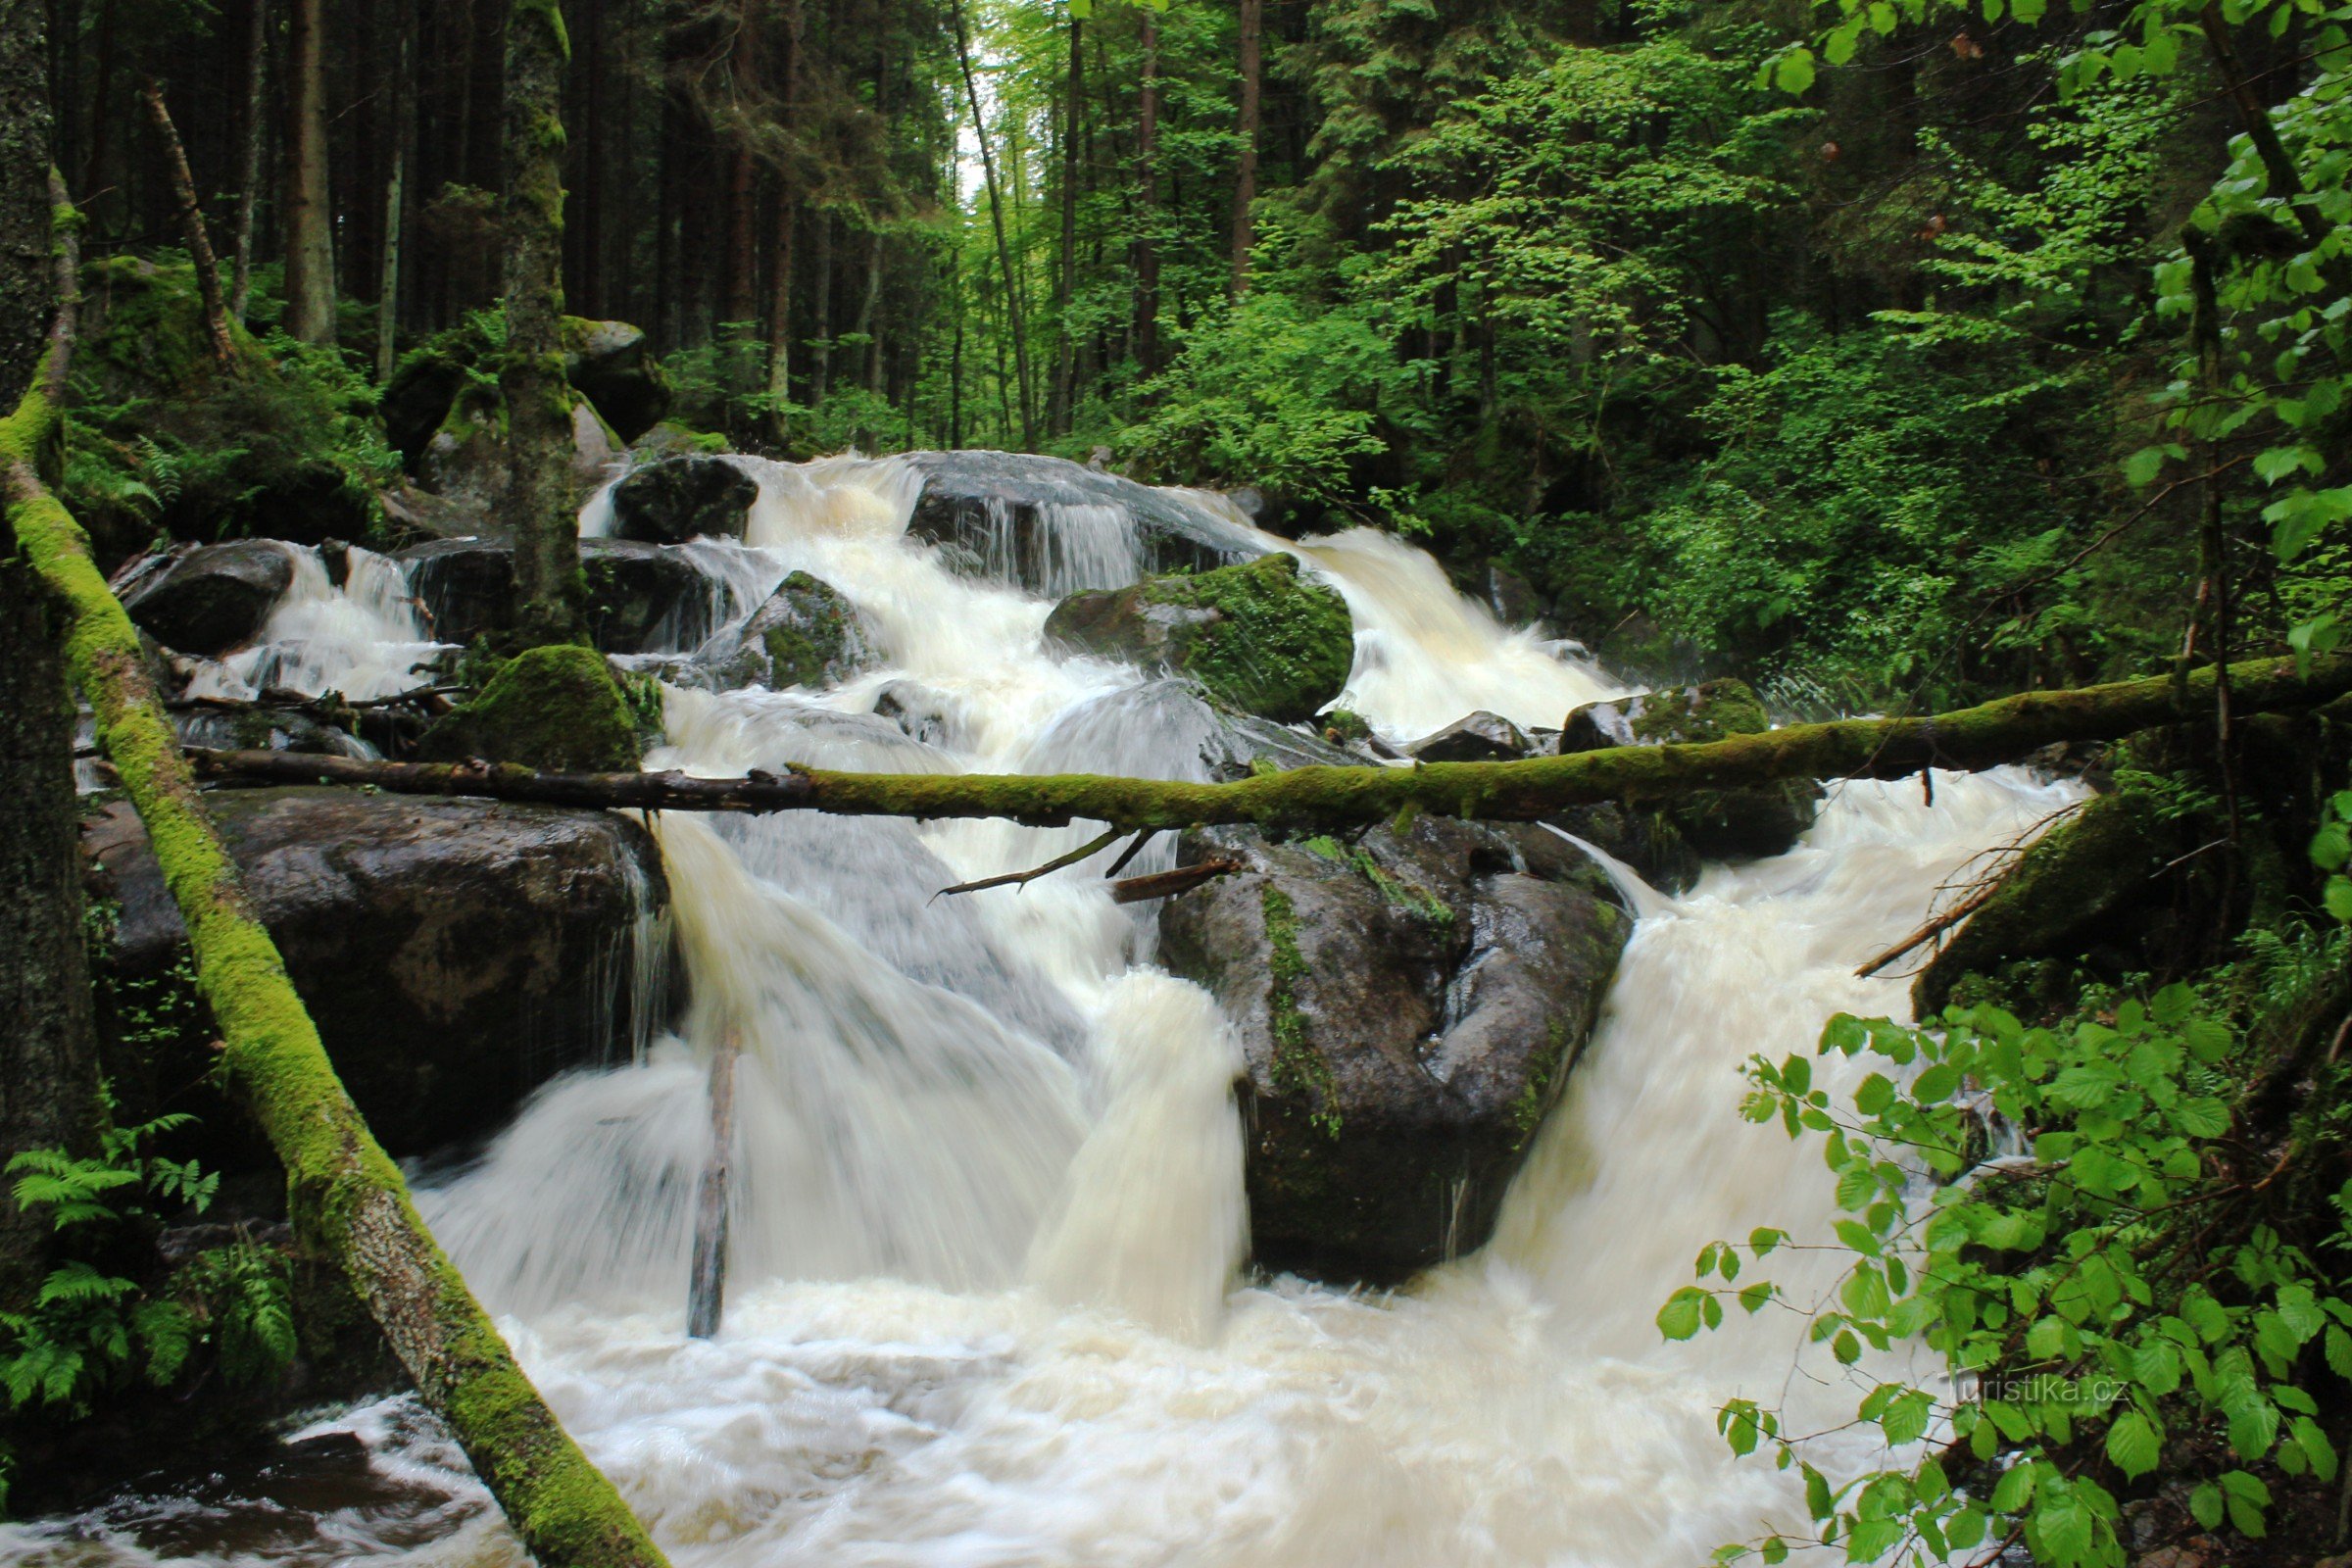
x,y
1669,630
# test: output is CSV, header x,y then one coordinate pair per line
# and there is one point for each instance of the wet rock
x,y
806,635
1511,597
641,597
1716,824
470,465
2079,888
210,598
1055,526
676,499
556,708
1409,1006
607,362
672,439
1480,738
265,729
454,954
1260,635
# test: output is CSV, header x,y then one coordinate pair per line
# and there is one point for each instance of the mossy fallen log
x,y
344,1192
1322,796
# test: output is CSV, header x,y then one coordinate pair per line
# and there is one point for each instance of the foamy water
x,y
985,1305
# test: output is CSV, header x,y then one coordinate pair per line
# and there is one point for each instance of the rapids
x,y
986,1305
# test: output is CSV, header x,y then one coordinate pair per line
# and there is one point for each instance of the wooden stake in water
x,y
706,1285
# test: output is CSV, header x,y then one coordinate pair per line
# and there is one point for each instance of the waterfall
x,y
987,1205
362,638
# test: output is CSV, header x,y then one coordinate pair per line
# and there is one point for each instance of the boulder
x,y
210,598
454,954
1259,635
2080,892
606,362
676,499
467,465
1482,737
806,634
1409,1006
1715,824
641,598
1058,527
554,707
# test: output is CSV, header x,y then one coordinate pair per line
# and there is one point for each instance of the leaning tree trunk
x,y
192,225
343,1192
539,399
1984,736
305,211
48,1061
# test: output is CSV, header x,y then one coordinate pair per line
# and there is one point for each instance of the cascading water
x,y
364,638
988,1210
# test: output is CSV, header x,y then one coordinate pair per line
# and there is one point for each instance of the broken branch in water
x,y
1168,884
1024,878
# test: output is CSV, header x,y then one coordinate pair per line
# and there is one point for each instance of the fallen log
x,y
344,1193
1325,797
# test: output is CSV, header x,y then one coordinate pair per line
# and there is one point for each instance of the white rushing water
x,y
985,1307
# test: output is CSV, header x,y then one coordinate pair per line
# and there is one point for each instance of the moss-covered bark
x,y
1978,737
344,1192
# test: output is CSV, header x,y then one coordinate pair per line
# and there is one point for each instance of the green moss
x,y
1278,645
803,649
554,707
1711,711
1298,1068
1535,1097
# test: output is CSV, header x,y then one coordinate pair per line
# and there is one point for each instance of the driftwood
x,y
343,1192
1168,884
1984,736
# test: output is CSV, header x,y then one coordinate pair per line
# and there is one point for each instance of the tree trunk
x,y
743,186
306,214
344,1193
539,399
1147,243
996,214
869,304
249,183
787,224
1984,736
1244,173
820,320
48,1059
191,226
387,297
1059,413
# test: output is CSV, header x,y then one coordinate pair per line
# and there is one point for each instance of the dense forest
x,y
1869,392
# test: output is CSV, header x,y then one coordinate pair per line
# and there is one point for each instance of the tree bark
x,y
539,399
787,227
1060,411
388,298
343,1192
820,320
48,1058
256,59
192,228
1147,243
743,186
996,214
305,212
1984,736
1244,173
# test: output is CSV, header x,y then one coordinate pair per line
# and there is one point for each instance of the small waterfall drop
x,y
984,1311
365,638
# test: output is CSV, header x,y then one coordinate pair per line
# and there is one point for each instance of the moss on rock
x,y
1717,824
556,708
1259,635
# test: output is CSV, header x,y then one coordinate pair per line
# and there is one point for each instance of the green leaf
x,y
2132,1444
2016,1486
1793,73
2205,1505
1678,1318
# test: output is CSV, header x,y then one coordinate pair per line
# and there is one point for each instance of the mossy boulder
x,y
2080,893
641,598
806,633
1410,1004
1260,636
676,499
1715,824
279,443
556,708
606,362
468,461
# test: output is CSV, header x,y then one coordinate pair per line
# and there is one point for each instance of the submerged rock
x,y
1260,635
641,597
210,598
806,634
1409,1006
454,954
1760,820
1054,525
676,499
556,708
